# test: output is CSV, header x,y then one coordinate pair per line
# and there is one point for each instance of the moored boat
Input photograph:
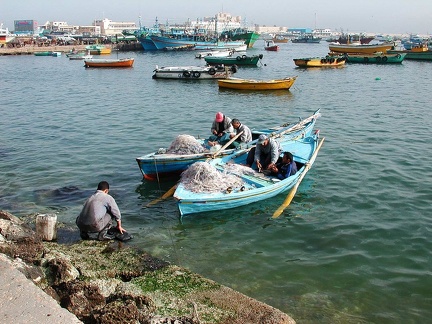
x,y
163,42
280,39
271,46
375,58
123,62
98,49
416,53
364,49
249,84
307,38
43,53
246,185
248,36
327,61
234,60
194,72
164,162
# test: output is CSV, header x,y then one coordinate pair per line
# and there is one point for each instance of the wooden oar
x,y
225,146
293,191
166,195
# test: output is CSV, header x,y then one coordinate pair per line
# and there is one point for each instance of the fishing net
x,y
204,177
186,144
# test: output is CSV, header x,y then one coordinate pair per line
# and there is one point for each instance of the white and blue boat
x,y
198,42
252,186
161,164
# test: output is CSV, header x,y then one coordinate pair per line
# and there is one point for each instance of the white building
x,y
112,28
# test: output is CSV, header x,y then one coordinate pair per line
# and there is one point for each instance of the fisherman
x,y
245,137
96,218
284,168
221,130
265,154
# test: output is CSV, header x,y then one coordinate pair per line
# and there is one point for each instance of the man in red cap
x,y
221,129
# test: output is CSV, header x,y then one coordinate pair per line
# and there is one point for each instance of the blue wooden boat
x,y
159,164
254,186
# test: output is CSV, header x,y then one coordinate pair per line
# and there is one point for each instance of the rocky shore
x,y
111,282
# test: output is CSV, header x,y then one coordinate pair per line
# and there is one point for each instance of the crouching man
x,y
96,218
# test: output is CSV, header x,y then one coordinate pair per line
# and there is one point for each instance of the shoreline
x,y
111,282
31,49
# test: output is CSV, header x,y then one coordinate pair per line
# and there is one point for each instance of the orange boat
x,y
124,62
360,49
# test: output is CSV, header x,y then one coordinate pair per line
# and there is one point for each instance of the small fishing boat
x,y
237,60
79,56
171,161
280,39
249,84
56,54
378,58
44,53
363,49
327,61
239,185
307,38
194,72
421,52
223,53
98,49
271,46
110,63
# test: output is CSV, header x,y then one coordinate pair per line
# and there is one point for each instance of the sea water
x,y
354,246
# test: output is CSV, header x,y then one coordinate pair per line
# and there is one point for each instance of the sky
x,y
369,16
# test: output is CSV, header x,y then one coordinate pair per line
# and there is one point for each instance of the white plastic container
x,y
46,226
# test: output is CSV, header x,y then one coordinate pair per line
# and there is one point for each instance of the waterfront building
x,y
112,28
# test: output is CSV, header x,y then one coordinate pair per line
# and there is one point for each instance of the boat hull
x,y
257,187
410,55
376,59
109,63
193,72
234,60
363,49
320,62
243,84
162,42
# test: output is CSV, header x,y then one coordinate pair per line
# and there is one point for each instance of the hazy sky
x,y
373,16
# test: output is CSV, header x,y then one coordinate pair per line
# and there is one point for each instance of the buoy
x,y
46,226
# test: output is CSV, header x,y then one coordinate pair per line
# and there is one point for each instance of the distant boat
x,y
5,35
364,49
98,49
280,39
249,84
421,53
307,38
234,60
328,61
249,37
43,53
194,72
164,42
375,58
124,62
271,46
352,39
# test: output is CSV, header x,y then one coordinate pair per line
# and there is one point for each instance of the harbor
x,y
361,209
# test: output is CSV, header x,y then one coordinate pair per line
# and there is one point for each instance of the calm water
x,y
353,247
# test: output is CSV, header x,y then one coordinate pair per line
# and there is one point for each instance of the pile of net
x,y
186,144
203,177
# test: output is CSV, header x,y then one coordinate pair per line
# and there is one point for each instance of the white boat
x,y
5,35
222,52
194,72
